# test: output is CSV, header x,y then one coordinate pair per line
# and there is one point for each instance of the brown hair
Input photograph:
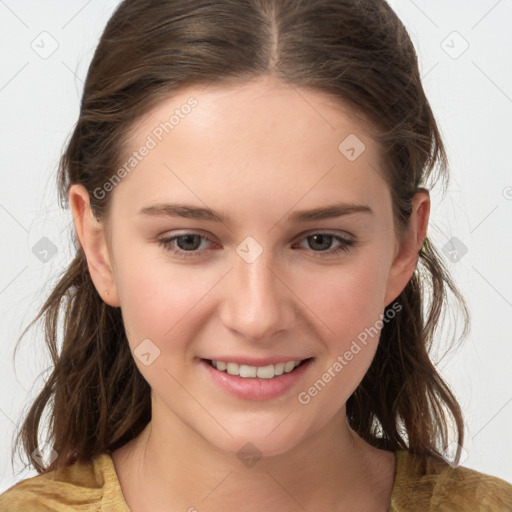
x,y
360,54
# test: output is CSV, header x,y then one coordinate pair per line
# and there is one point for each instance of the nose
x,y
258,302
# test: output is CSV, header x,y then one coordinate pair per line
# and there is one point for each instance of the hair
x,y
357,52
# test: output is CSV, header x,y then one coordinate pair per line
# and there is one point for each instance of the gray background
x,y
465,50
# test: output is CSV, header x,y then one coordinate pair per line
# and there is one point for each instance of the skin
x,y
256,152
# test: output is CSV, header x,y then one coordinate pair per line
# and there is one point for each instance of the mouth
x,y
246,371
256,382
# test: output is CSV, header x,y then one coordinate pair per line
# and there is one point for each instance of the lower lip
x,y
253,388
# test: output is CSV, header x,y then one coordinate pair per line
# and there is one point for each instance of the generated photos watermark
x,y
152,140
305,397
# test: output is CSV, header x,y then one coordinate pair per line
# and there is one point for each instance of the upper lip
x,y
264,361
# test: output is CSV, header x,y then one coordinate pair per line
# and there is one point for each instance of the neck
x,y
171,464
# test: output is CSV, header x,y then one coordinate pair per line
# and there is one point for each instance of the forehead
x,y
265,105
262,139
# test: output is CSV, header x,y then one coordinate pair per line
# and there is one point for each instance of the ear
x,y
91,235
407,250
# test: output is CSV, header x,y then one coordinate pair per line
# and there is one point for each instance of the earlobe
x,y
92,238
407,256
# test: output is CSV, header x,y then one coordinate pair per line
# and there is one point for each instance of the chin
x,y
249,449
260,438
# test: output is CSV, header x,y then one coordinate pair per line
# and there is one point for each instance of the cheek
x,y
346,298
347,302
160,311
158,298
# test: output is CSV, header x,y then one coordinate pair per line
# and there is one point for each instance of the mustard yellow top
x,y
93,486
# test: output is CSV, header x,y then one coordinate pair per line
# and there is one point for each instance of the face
x,y
260,285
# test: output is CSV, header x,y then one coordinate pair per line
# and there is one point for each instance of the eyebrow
x,y
193,212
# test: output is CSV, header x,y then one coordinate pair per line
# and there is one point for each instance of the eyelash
x,y
346,245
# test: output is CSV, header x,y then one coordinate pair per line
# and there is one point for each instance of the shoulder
x,y
83,485
446,489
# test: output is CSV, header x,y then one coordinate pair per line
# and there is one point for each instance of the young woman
x,y
245,323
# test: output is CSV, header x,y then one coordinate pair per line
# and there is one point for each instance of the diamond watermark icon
x,y
454,249
249,250
249,455
44,249
45,455
146,352
45,45
351,147
454,45
450,452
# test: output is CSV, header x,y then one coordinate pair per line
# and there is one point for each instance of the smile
x,y
256,382
261,372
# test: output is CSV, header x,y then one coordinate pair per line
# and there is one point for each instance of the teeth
x,y
279,368
262,372
248,371
233,368
288,367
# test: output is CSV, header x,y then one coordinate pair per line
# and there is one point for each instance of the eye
x,y
325,240
188,244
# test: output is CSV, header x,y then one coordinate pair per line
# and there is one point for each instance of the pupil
x,y
325,243
187,239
